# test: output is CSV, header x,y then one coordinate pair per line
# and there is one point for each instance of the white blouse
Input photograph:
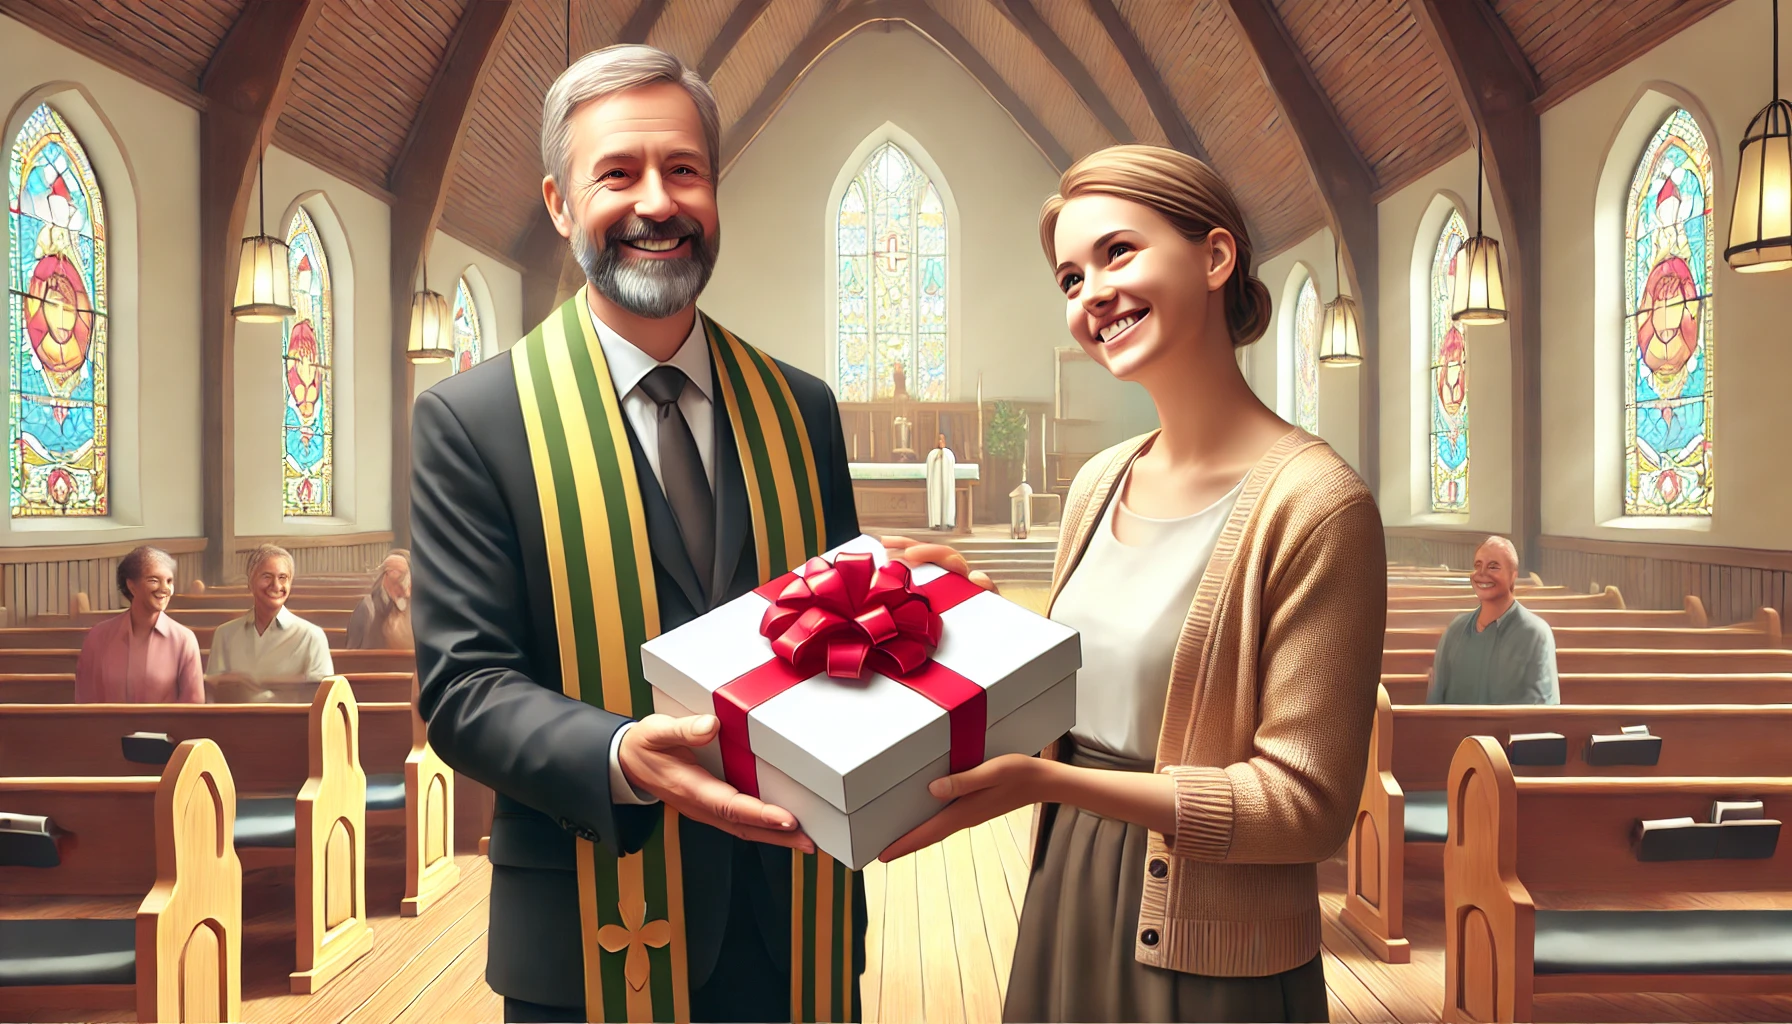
x,y
1129,603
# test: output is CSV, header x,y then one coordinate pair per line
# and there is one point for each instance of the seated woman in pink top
x,y
141,656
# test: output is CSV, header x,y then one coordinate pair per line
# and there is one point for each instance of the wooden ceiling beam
x,y
742,19
1496,90
640,24
245,86
1027,19
833,28
1163,105
1346,187
419,186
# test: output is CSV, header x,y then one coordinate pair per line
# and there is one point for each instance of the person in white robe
x,y
942,509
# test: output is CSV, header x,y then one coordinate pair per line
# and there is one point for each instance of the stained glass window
x,y
891,245
1449,379
57,295
310,343
1668,263
467,348
1306,357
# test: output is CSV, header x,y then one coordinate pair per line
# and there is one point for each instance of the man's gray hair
x,y
611,70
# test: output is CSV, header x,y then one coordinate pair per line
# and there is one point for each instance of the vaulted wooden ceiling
x,y
1076,75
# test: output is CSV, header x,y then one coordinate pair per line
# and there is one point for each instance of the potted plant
x,y
1004,443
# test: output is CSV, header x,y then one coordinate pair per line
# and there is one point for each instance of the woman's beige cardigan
x,y
1266,723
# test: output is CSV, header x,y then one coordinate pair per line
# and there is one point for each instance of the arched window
x,y
310,337
1306,357
57,292
1449,379
891,243
1668,261
467,347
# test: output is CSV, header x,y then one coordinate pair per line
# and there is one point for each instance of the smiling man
x,y
626,467
270,643
1499,653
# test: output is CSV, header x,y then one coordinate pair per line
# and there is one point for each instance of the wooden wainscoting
x,y
1732,582
332,553
40,580
1432,545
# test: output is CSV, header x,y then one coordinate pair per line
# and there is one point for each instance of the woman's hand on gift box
x,y
918,553
987,791
657,756
1004,783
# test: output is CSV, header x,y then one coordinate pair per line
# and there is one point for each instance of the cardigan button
x,y
1158,867
1148,936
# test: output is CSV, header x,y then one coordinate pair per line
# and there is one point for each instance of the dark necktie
x,y
681,472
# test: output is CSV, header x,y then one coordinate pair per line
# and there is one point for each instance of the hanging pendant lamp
x,y
1761,221
432,327
1340,339
1478,285
263,288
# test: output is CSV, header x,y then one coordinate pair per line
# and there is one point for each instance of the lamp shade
x,y
263,290
1761,223
1478,287
1340,343
432,327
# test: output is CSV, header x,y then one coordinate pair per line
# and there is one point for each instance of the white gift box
x,y
852,758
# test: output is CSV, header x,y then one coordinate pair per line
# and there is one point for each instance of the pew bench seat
x,y
270,821
1427,816
1663,942
68,952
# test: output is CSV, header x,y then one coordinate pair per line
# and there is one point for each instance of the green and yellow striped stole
x,y
605,607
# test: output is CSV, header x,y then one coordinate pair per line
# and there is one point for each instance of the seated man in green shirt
x,y
1500,653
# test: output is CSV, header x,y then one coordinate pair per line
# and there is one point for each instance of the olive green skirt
x,y
1074,960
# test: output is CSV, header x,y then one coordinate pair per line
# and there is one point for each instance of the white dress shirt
x,y
628,366
291,649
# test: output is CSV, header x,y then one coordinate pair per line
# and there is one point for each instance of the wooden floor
x,y
942,933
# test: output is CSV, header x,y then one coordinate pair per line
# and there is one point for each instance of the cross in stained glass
x,y
891,255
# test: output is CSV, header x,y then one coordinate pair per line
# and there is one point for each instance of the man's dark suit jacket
x,y
489,664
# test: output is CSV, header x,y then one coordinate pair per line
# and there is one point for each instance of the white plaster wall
x,y
1270,372
144,142
355,228
771,281
1409,222
500,308
1720,64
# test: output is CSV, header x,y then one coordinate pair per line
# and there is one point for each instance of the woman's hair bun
x,y
1247,309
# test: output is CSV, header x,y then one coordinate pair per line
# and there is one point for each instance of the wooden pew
x,y
1761,632
64,637
1536,599
331,617
275,751
1464,589
299,601
53,659
1690,617
59,688
180,958
1400,819
1636,688
1632,660
1609,921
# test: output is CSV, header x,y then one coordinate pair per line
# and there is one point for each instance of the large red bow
x,y
852,616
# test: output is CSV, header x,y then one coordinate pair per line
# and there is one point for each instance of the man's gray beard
x,y
649,288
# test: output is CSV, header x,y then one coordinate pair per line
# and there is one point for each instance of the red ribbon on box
x,y
845,618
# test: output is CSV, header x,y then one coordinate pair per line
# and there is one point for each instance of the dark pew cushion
x,y
70,952
267,821
1664,942
1427,816
385,792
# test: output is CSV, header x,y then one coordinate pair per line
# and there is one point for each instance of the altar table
x,y
893,495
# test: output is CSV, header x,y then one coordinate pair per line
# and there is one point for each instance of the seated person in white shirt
x,y
269,644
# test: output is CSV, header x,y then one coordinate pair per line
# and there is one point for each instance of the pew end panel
x,y
429,867
330,836
1489,915
1374,891
191,924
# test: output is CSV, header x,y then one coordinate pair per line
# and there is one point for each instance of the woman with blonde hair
x,y
1226,575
